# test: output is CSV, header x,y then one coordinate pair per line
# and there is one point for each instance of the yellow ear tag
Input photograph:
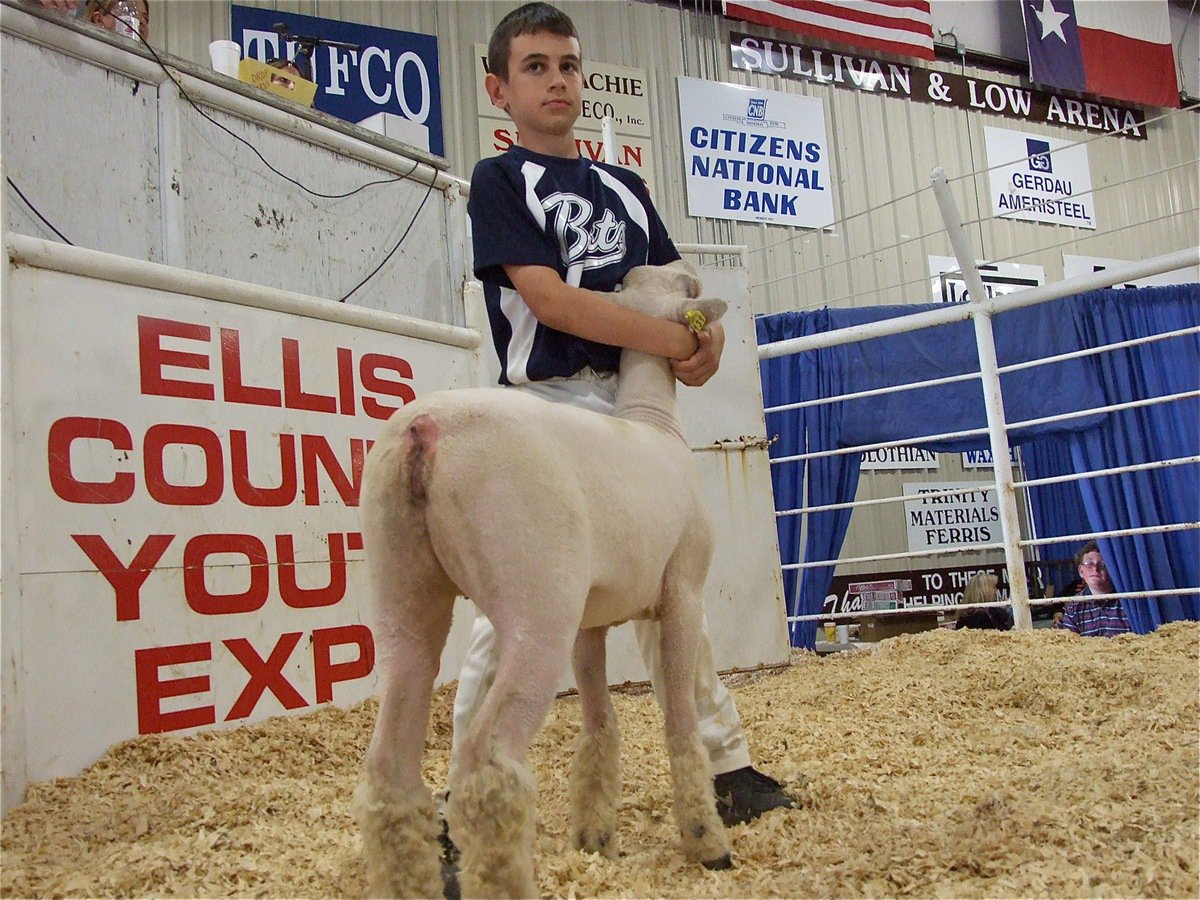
x,y
696,320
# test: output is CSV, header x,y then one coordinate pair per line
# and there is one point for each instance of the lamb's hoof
x,y
719,864
591,840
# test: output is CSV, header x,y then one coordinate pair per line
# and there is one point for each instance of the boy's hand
x,y
703,364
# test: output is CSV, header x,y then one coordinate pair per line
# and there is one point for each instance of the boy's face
x,y
543,91
1093,571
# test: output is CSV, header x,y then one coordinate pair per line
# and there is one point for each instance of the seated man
x,y
1094,618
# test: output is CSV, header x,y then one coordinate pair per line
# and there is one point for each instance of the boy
x,y
1095,618
552,233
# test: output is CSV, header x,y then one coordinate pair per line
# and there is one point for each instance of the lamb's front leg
x,y
700,828
594,784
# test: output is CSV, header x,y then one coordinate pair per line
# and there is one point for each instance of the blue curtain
x,y
1154,561
1021,335
1095,441
1057,508
831,479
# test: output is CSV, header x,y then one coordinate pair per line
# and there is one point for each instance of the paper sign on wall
x,y
1086,265
949,286
1039,179
755,156
964,519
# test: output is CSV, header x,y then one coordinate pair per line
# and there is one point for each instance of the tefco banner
x,y
1039,179
755,156
618,92
187,492
393,71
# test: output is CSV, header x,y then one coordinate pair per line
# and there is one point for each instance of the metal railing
x,y
980,309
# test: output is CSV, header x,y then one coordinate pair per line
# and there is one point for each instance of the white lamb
x,y
558,523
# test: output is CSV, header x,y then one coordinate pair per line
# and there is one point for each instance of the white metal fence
x,y
980,310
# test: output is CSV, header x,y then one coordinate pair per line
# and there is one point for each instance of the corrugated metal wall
x,y
1147,191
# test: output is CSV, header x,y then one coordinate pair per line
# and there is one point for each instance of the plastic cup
x,y
225,57
843,634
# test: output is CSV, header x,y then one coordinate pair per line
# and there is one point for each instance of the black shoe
x,y
450,888
745,794
450,857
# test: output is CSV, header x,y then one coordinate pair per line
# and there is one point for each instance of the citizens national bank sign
x,y
798,62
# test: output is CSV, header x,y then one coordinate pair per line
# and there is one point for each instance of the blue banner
x,y
394,72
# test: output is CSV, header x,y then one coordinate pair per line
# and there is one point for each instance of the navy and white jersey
x,y
588,221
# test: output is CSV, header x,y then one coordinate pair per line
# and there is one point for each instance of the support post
x,y
993,401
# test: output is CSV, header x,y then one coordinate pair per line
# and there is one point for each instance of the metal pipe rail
x,y
959,312
946,435
996,604
980,310
968,376
1035,482
880,557
53,256
1116,470
1118,532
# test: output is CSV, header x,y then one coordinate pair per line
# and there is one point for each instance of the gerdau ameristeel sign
x,y
795,61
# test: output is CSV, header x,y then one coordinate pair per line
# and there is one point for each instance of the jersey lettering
x,y
594,244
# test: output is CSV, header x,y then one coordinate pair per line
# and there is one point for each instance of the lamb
x,y
558,523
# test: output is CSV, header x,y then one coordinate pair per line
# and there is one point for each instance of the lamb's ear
x,y
689,279
712,308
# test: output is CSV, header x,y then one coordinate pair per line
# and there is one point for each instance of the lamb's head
x,y
669,292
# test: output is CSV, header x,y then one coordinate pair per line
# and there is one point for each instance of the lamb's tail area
x,y
421,440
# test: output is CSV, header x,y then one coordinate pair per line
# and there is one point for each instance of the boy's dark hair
x,y
527,19
1089,547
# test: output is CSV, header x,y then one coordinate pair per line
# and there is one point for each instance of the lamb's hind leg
x,y
493,798
393,804
594,784
413,605
701,831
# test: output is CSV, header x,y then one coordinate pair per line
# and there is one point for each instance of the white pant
x,y
720,725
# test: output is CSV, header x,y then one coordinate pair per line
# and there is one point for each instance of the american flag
x,y
902,27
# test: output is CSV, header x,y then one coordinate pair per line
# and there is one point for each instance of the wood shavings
x,y
942,764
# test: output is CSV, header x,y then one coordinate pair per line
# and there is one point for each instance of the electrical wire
x,y
158,59
12,184
837,224
237,137
383,262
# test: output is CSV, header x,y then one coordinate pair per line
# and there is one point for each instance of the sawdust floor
x,y
944,764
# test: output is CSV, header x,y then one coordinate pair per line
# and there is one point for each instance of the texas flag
x,y
1112,48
